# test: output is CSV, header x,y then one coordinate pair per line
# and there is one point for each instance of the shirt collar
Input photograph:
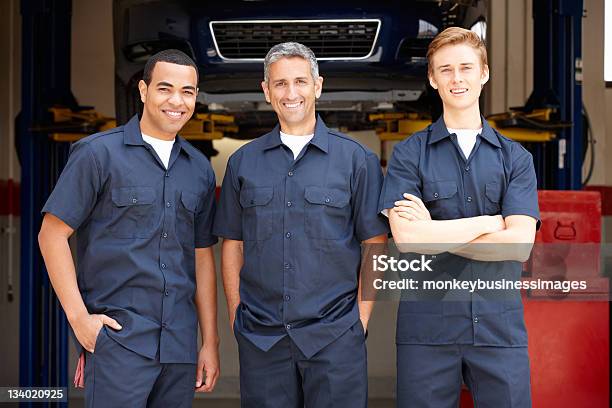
x,y
132,135
320,138
439,131
131,132
488,133
185,146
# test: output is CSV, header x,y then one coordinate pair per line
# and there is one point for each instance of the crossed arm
x,y
414,231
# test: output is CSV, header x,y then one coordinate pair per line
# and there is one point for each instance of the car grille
x,y
328,39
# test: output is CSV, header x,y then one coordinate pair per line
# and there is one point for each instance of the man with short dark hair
x,y
295,206
142,201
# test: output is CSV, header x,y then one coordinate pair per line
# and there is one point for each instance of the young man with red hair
x,y
460,183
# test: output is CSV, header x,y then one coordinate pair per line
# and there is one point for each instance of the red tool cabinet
x,y
569,341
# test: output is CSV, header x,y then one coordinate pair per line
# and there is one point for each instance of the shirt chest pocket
x,y
133,212
185,218
492,199
440,198
257,213
327,213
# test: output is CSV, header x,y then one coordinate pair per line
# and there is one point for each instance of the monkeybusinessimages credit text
x,y
423,263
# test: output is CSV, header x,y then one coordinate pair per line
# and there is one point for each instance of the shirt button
x,y
288,235
475,320
168,204
167,174
327,199
290,174
288,327
289,203
467,168
134,200
287,265
163,266
165,235
287,298
436,195
469,199
167,293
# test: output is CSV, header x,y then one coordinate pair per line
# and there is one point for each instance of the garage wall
x,y
607,151
10,77
510,54
92,55
10,80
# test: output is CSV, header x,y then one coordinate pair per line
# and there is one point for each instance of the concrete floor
x,y
235,403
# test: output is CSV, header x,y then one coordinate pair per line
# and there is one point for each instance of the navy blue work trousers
x,y
283,377
430,376
118,377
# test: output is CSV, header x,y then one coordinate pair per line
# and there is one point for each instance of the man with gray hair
x,y
296,205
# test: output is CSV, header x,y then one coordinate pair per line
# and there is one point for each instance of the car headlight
x,y
426,29
480,28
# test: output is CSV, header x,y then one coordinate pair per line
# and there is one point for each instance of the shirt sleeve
x,y
228,220
402,175
76,193
204,218
368,221
521,196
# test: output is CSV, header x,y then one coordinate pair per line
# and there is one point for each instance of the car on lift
x,y
372,55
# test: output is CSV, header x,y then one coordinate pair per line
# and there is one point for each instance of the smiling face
x,y
169,99
292,91
458,75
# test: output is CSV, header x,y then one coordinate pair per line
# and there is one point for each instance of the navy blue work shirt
x,y
497,178
137,226
301,222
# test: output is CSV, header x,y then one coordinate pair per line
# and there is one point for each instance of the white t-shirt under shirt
x,y
295,143
163,148
466,139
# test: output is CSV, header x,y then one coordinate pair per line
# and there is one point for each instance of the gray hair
x,y
288,50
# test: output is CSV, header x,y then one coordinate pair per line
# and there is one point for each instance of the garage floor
x,y
235,403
